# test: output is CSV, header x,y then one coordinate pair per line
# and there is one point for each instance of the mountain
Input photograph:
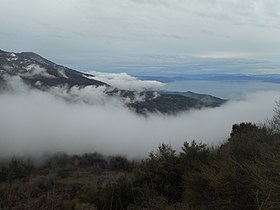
x,y
40,73
36,70
272,78
168,103
203,98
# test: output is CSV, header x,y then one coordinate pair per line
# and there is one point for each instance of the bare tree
x,y
275,121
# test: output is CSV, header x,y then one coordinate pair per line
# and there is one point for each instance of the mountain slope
x,y
167,103
203,98
36,70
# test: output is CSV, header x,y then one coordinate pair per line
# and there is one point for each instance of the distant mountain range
x,y
40,73
273,78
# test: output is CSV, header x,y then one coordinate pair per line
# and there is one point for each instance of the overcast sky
x,y
122,35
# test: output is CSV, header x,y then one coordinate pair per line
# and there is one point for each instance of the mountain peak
x,y
36,57
34,69
30,54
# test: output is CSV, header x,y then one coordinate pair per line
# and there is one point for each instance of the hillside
x,y
242,173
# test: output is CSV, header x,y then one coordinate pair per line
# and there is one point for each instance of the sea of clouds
x,y
34,121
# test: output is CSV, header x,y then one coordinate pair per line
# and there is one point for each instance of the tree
x,y
275,121
160,175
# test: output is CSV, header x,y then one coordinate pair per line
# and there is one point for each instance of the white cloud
x,y
224,54
34,70
90,95
125,82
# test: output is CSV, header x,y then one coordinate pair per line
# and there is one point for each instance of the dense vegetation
x,y
242,173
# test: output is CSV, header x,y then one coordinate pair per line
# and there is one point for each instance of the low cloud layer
x,y
125,81
33,122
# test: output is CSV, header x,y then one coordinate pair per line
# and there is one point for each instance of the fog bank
x,y
33,122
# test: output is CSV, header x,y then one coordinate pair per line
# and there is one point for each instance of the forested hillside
x,y
242,173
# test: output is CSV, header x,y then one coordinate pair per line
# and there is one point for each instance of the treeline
x,y
242,173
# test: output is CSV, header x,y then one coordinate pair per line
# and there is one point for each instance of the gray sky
x,y
122,35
